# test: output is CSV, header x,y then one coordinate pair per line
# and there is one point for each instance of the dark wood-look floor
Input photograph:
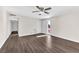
x,y
33,44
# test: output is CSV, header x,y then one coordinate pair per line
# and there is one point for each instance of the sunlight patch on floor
x,y
41,36
48,41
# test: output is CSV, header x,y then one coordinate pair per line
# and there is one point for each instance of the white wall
x,y
4,26
1,27
29,26
66,26
44,26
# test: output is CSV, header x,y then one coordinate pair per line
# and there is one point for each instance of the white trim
x,y
65,38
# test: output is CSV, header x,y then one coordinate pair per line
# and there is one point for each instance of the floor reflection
x,y
48,41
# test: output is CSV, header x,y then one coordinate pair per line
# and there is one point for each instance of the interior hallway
x,y
34,44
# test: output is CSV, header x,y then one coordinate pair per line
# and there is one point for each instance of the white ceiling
x,y
55,11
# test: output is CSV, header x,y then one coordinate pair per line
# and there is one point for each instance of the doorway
x,y
46,26
14,26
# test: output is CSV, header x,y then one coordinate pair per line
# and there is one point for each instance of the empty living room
x,y
39,29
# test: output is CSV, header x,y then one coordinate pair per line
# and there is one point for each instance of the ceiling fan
x,y
42,9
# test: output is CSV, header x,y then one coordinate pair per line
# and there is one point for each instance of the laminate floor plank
x,y
34,44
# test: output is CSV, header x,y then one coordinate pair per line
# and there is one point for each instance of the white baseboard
x,y
20,35
66,38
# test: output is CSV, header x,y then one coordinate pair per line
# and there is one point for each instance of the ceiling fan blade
x,y
35,11
39,14
46,12
12,14
48,8
38,7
